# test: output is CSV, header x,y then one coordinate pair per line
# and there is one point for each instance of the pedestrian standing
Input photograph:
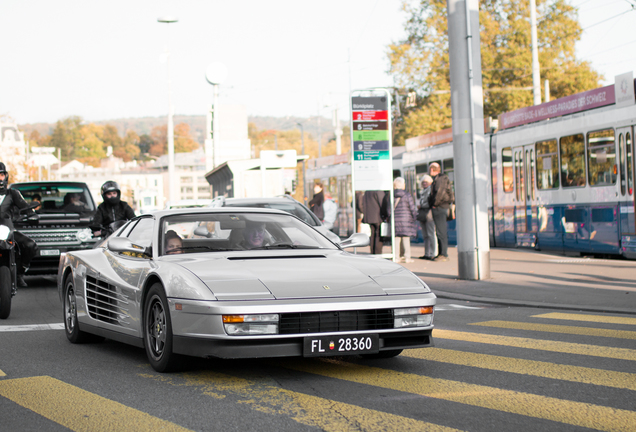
x,y
442,196
359,209
372,204
330,209
404,217
317,201
425,218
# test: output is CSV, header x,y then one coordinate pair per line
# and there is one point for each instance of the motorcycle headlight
x,y
84,235
4,232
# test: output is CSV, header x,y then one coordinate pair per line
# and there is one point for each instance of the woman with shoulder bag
x,y
405,215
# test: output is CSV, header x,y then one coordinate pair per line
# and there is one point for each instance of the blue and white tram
x,y
566,183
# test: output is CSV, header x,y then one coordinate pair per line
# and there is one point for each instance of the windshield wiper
x,y
284,246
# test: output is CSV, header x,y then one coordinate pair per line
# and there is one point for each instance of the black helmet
x,y
4,183
111,186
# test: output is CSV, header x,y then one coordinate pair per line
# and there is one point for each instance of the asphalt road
x,y
494,367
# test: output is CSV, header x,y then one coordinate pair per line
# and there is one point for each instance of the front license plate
x,y
341,345
50,252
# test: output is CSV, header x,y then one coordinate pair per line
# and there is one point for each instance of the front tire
x,y
71,325
158,330
5,292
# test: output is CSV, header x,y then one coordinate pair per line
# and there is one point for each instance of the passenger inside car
x,y
252,236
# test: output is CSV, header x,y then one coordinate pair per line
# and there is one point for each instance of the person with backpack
x,y
441,198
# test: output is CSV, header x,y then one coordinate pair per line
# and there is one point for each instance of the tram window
x,y
506,167
547,165
421,169
573,161
449,169
601,157
630,163
621,161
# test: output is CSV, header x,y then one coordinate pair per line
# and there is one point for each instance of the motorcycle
x,y
8,265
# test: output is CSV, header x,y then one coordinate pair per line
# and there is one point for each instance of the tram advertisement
x,y
372,167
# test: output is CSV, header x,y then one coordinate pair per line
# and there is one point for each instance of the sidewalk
x,y
524,277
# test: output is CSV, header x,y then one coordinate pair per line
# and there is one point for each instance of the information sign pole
x,y
371,150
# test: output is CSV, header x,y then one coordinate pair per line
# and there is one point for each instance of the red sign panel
x,y
559,107
370,115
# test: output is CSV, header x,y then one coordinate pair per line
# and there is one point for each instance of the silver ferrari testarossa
x,y
240,283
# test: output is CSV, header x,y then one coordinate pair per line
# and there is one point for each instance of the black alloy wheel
x,y
158,330
71,326
5,292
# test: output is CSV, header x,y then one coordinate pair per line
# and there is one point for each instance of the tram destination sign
x,y
371,136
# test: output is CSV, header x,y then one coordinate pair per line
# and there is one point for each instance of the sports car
x,y
240,283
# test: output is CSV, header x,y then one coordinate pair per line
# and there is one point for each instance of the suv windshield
x,y
58,198
204,232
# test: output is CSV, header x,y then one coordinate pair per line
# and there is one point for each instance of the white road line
x,y
448,307
32,327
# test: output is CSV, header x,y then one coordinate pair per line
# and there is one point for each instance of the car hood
x,y
301,274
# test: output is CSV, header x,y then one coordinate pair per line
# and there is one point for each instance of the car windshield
x,y
205,232
290,207
58,198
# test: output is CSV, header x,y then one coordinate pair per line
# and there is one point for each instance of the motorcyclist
x,y
113,209
10,200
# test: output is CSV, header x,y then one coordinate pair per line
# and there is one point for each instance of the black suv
x,y
61,223
284,203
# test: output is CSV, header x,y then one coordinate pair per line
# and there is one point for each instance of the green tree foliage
x,y
66,135
420,62
90,148
145,142
129,148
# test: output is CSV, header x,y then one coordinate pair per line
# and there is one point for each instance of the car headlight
x,y
4,232
413,317
243,325
84,235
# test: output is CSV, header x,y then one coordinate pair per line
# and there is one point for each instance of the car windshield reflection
x,y
222,232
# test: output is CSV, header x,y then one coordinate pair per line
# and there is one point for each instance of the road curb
x,y
523,303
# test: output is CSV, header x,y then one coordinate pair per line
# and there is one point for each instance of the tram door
x,y
525,195
626,176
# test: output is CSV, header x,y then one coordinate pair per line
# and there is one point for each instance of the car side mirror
x,y
122,244
356,240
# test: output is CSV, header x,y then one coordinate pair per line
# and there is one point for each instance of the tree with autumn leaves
x,y
420,61
88,143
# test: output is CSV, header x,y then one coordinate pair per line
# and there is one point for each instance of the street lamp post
x,y
215,74
171,169
302,152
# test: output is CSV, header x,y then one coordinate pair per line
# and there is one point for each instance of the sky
x,y
104,60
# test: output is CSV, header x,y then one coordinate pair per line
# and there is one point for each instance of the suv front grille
x,y
105,303
335,321
49,237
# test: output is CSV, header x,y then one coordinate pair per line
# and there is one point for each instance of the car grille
x,y
335,321
104,303
46,237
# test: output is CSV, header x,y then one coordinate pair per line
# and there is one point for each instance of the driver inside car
x,y
174,244
254,236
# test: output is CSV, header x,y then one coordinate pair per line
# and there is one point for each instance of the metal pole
x,y
172,184
216,142
536,79
302,152
471,178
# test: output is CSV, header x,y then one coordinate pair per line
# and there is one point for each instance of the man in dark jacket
x,y
372,204
10,200
441,198
113,209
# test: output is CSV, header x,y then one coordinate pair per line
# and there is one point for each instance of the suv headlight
x,y
413,317
84,234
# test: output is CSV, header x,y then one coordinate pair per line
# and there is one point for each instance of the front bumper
x,y
285,347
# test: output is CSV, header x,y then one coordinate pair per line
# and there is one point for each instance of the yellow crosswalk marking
x,y
2,373
77,409
322,413
585,331
537,344
588,318
622,380
530,405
